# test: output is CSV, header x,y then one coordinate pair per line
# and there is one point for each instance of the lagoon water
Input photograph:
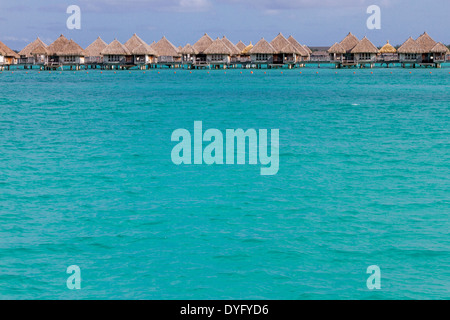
x,y
86,179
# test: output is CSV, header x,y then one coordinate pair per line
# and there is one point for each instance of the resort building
x,y
7,57
388,54
365,53
348,58
144,56
262,54
304,55
188,54
218,54
93,52
71,55
200,46
286,53
422,52
235,52
245,58
28,58
167,53
52,59
337,53
115,55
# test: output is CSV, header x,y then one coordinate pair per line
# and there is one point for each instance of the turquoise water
x,y
86,179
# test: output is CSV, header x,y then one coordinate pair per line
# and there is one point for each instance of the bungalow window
x,y
364,56
262,57
70,59
217,57
114,58
410,56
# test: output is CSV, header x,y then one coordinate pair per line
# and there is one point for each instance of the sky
x,y
311,22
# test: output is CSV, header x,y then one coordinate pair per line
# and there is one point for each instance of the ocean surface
x,y
86,179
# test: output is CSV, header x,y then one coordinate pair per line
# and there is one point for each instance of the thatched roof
x,y
115,48
165,48
144,49
58,45
263,47
388,48
71,49
134,42
425,42
337,48
26,52
439,48
95,48
349,42
365,46
188,49
218,47
302,51
39,50
234,50
240,45
247,49
7,52
410,46
203,43
289,49
279,43
307,49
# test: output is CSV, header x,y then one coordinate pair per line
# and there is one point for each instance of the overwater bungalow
x,y
235,52
200,46
388,54
144,56
7,57
28,59
139,59
303,55
348,58
422,52
336,53
365,53
71,55
93,52
167,53
286,53
262,54
218,54
52,59
245,58
115,55
188,54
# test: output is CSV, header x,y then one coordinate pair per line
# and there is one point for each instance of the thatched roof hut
x,y
337,48
40,50
58,45
203,43
234,50
134,42
439,48
115,48
263,47
218,47
388,48
144,50
349,42
27,51
165,48
302,51
188,49
410,46
247,49
426,42
240,45
71,49
7,52
280,43
95,48
365,46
